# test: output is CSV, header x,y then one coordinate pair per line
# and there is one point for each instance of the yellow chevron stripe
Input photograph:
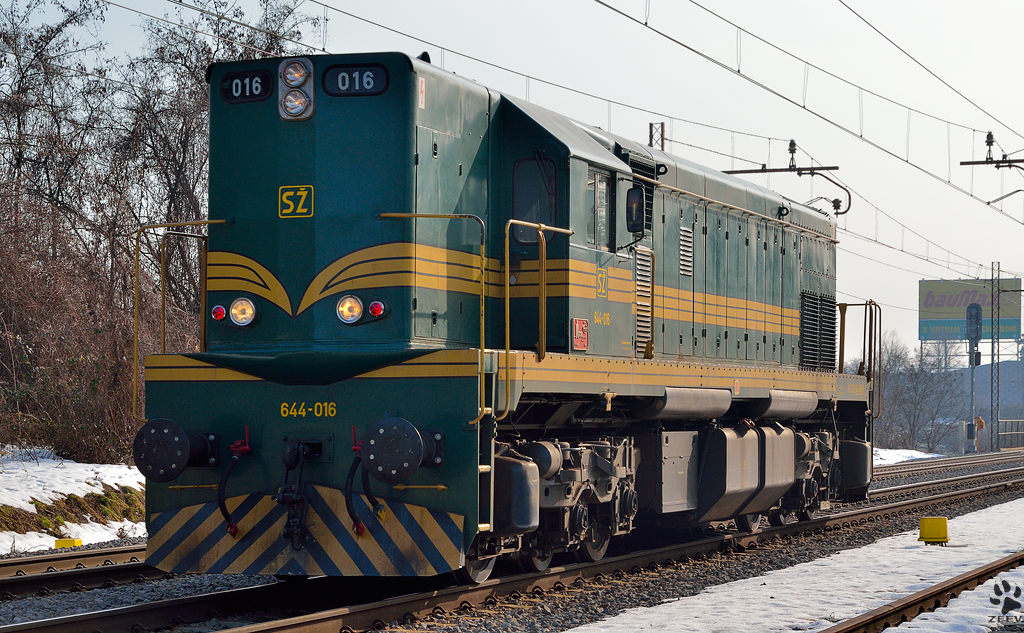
x,y
584,372
264,542
322,534
231,271
414,265
270,539
437,536
442,364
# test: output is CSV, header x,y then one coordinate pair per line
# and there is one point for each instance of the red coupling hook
x,y
232,529
359,528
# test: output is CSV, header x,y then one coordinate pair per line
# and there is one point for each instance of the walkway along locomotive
x,y
443,324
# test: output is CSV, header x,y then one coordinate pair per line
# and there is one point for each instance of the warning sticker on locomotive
x,y
580,334
295,202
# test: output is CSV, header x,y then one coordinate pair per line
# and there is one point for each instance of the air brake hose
x,y
357,525
238,448
222,501
378,507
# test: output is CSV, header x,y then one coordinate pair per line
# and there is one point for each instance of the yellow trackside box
x,y
933,530
67,542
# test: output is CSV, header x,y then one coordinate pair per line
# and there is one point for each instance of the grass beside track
x,y
111,504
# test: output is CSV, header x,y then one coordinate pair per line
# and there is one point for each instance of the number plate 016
x,y
246,86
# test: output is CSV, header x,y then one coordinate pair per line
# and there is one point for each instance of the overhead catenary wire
x,y
546,82
887,305
831,74
226,18
189,28
219,16
928,70
814,113
711,151
890,216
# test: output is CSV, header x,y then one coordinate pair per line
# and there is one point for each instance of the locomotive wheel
x,y
749,522
807,515
531,563
591,550
778,519
475,571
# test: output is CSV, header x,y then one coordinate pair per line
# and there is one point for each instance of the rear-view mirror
x,y
635,210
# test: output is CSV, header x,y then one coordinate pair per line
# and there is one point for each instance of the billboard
x,y
942,308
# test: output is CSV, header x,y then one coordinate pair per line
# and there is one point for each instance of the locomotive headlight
x,y
243,311
295,102
350,308
294,74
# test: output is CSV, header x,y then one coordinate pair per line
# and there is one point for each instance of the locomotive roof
x,y
598,147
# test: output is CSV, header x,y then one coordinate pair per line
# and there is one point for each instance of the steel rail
x,y
892,491
939,595
949,463
413,606
78,559
47,583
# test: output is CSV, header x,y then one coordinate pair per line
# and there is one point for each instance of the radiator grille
x,y
647,170
644,297
817,331
686,251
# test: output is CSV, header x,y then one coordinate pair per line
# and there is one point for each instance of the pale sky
x,y
590,48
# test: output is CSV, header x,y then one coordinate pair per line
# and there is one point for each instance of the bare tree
x,y
922,401
89,150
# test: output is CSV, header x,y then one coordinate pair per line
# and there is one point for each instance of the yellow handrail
x,y
482,408
542,267
871,354
163,289
135,351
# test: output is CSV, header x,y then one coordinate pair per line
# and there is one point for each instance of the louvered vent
x,y
647,170
686,251
817,332
644,297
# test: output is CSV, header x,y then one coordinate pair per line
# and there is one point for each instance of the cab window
x,y
534,196
599,205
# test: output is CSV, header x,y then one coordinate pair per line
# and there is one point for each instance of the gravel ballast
x,y
557,611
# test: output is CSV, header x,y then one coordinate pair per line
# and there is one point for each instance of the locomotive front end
x,y
329,424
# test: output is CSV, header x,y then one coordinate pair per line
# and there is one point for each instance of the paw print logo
x,y
1009,602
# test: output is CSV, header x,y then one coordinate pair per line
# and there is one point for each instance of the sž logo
x,y
1003,596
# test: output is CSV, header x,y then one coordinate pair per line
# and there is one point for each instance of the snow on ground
x,y
973,611
886,456
812,596
38,474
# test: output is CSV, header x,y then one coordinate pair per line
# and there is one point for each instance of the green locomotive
x,y
444,325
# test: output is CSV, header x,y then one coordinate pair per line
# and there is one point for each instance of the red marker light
x,y
376,309
218,313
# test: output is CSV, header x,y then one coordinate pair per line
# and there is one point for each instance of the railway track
x,y
930,599
316,600
897,492
922,466
74,571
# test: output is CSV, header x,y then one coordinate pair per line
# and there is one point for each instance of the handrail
x,y
871,352
163,289
135,350
542,267
482,409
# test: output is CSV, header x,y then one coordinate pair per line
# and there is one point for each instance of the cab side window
x,y
600,204
534,196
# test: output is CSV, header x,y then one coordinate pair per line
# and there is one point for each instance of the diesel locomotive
x,y
443,325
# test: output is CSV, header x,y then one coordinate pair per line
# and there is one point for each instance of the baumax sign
x,y
942,308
